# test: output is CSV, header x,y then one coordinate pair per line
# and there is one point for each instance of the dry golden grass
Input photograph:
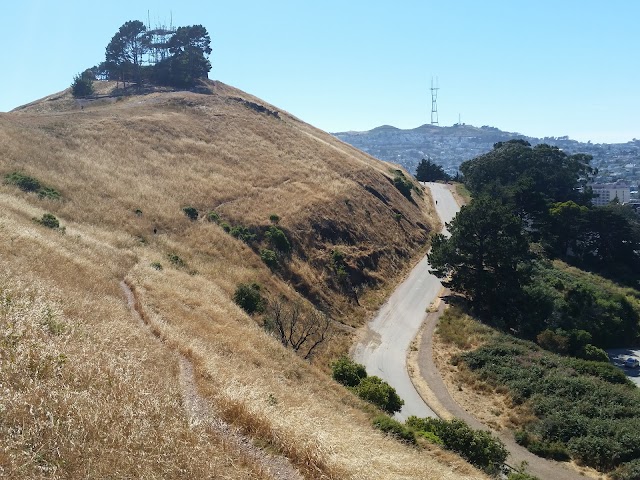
x,y
111,407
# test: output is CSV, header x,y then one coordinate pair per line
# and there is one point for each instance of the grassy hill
x,y
87,391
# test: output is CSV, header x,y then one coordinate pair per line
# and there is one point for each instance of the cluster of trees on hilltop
x,y
179,60
531,204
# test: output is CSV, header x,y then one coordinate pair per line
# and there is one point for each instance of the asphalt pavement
x,y
383,347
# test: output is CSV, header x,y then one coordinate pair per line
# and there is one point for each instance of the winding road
x,y
383,347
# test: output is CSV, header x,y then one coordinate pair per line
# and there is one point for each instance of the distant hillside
x,y
176,199
450,146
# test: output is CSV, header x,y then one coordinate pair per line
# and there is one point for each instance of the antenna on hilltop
x,y
434,101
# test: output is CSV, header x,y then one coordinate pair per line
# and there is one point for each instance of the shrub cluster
x,y
249,298
372,389
478,447
394,428
50,221
30,184
572,312
588,409
404,185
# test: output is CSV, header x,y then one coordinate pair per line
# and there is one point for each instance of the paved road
x,y
383,348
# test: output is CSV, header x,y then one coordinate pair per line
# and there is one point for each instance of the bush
x,y
242,233
478,447
269,257
403,185
156,265
394,428
176,260
23,182
191,212
226,227
30,184
347,372
591,352
50,221
380,393
82,86
213,217
278,239
599,452
249,298
627,471
275,219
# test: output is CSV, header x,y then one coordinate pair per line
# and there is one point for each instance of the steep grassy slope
x,y
80,374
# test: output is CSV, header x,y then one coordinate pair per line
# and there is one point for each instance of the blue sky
x,y
542,68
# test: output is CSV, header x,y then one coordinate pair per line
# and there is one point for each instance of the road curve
x,y
383,347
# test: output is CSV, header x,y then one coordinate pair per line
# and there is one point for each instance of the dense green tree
x,y
529,178
82,85
565,225
123,58
428,171
485,258
189,47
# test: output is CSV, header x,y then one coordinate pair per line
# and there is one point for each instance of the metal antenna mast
x,y
434,101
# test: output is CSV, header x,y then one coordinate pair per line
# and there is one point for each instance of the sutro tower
x,y
434,101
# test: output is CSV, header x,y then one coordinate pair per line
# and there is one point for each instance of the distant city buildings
x,y
450,146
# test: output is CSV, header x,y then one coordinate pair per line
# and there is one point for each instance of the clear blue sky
x,y
538,67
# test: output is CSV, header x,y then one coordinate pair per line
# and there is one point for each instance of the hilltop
x,y
90,391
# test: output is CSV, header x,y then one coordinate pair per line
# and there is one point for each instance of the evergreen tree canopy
x,y
185,56
529,178
485,258
428,171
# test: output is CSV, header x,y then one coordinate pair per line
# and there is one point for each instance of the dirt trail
x,y
201,413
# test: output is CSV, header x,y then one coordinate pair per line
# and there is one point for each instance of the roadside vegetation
x,y
557,278
501,246
579,409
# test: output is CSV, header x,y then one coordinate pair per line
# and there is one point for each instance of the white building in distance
x,y
605,193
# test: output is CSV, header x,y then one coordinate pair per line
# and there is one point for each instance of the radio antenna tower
x,y
434,101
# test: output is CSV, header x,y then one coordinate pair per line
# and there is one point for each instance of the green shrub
x,y
278,239
347,372
30,184
242,233
176,260
226,227
478,447
82,86
191,212
394,428
403,185
269,257
380,393
23,182
627,471
275,219
213,217
50,221
156,265
599,452
249,298
591,352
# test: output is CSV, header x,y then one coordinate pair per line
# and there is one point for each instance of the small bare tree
x,y
303,331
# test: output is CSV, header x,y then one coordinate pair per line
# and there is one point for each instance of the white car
x,y
631,362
